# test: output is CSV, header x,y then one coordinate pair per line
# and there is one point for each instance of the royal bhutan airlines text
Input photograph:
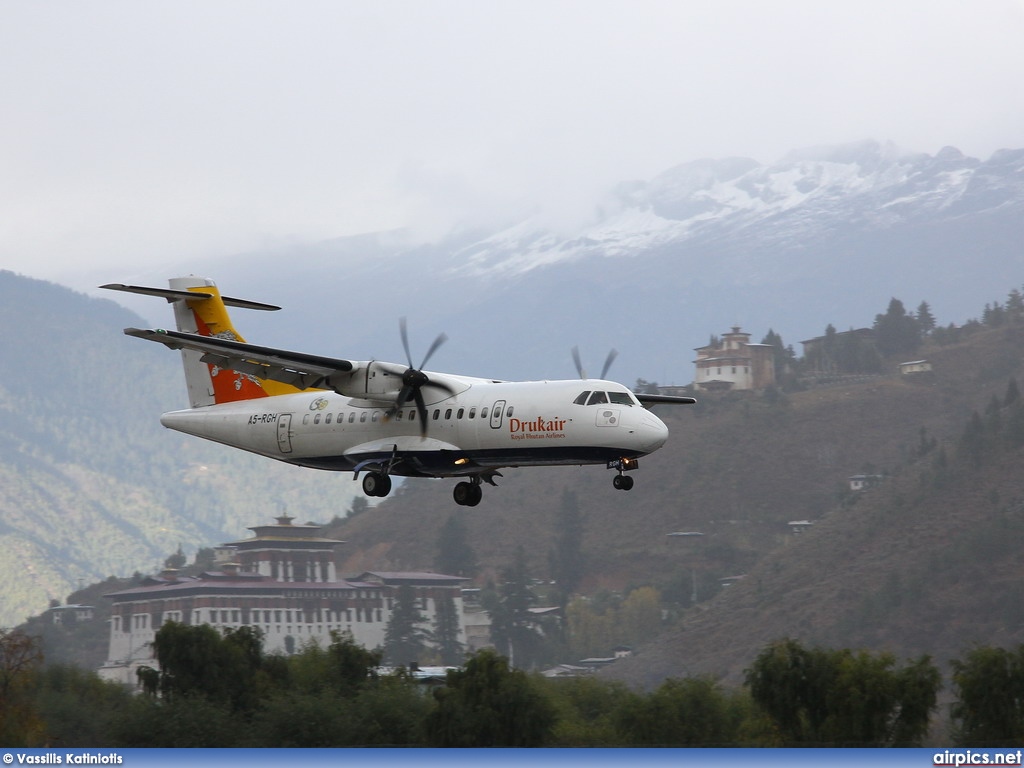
x,y
538,429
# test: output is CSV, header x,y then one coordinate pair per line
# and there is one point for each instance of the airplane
x,y
383,419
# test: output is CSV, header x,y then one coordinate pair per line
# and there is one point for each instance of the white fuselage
x,y
485,426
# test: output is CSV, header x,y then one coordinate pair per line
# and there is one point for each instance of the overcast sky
x,y
158,132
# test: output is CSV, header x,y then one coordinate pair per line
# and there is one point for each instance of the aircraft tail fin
x,y
199,308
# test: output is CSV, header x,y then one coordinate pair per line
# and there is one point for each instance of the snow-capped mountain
x,y
825,236
807,195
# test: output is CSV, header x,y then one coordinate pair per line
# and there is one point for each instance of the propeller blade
x,y
608,362
442,385
579,364
441,339
413,379
421,408
403,395
405,339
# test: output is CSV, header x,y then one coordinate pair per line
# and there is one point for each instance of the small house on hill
x,y
735,364
915,366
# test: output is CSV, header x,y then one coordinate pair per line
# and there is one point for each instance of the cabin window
x,y
327,420
375,416
508,413
398,415
448,413
461,413
483,412
305,419
581,398
352,417
597,398
362,416
316,419
472,412
412,414
437,412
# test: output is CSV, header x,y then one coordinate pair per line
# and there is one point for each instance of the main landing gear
x,y
376,484
468,494
623,482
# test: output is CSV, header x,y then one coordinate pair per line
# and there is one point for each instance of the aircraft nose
x,y
653,433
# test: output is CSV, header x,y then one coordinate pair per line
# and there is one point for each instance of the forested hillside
x,y
924,562
94,487
90,484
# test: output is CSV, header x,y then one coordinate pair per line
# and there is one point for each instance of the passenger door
x,y
284,432
497,414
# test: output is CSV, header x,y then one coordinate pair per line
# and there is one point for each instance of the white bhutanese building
x,y
284,582
735,364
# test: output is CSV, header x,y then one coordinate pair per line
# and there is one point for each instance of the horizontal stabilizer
x,y
298,369
172,295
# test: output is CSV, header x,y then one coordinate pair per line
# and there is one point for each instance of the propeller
x,y
607,363
414,379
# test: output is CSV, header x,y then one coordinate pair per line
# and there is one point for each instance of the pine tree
x,y
566,557
896,332
455,555
446,631
1012,392
925,318
1015,306
404,639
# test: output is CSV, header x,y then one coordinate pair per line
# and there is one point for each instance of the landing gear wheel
x,y
622,482
467,494
376,484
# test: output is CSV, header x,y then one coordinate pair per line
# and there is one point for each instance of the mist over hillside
x,y
827,235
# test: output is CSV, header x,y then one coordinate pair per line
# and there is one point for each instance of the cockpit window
x,y
597,397
620,398
581,398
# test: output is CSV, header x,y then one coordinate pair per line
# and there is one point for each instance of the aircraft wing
x,y
649,401
296,368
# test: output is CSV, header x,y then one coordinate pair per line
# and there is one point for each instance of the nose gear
x,y
623,482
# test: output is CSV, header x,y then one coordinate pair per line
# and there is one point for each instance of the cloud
x,y
172,129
